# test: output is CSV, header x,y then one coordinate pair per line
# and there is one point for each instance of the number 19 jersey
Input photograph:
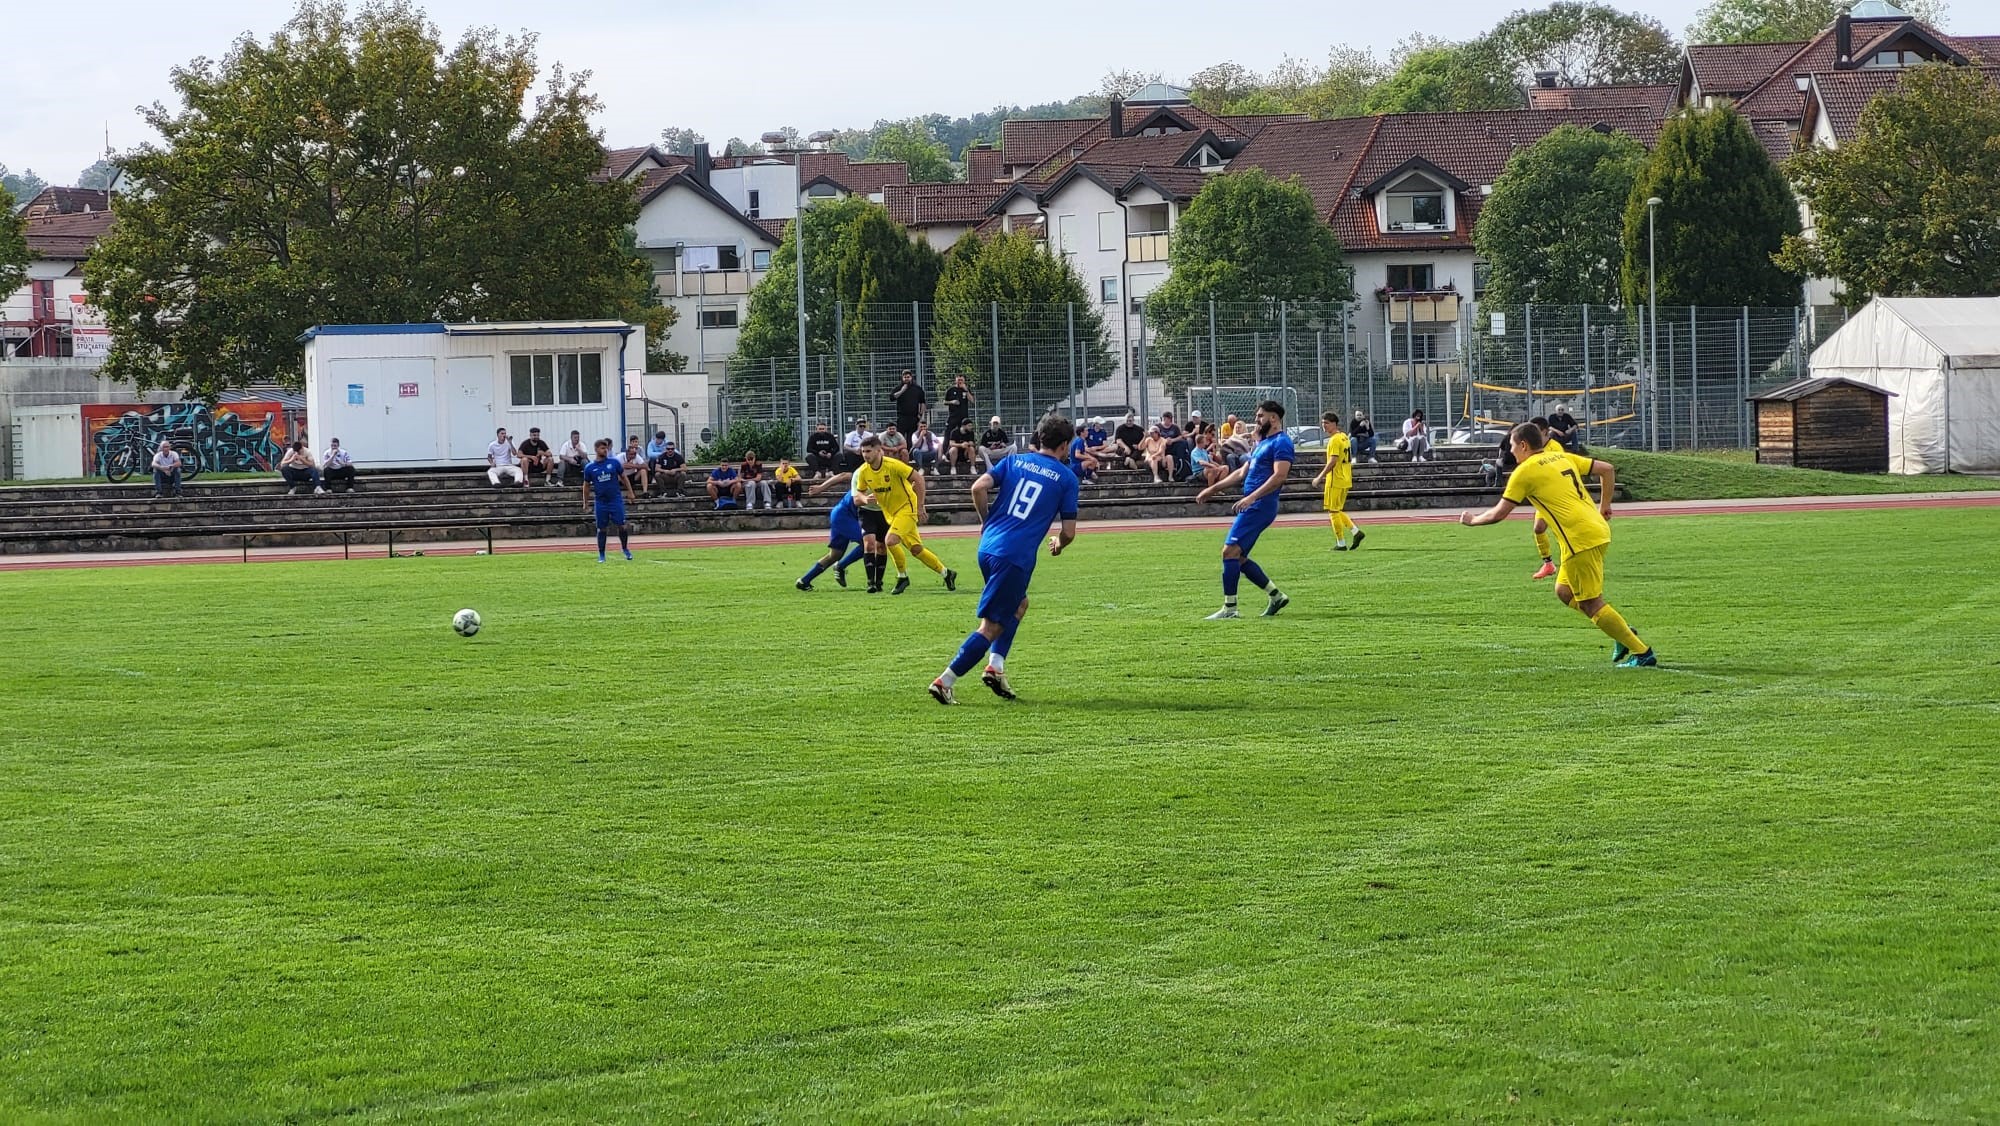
x,y
1030,492
1553,482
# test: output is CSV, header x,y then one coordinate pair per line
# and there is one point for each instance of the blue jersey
x,y
604,476
1263,462
1030,491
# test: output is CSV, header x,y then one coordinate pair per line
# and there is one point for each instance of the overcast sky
x,y
735,68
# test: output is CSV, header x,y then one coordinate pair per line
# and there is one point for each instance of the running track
x,y
816,537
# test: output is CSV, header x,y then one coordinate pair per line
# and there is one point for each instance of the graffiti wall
x,y
228,438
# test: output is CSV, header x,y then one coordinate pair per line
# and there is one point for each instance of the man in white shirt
x,y
166,470
503,461
573,457
335,466
851,459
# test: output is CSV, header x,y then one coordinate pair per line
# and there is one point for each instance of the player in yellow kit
x,y
896,491
1337,477
1552,481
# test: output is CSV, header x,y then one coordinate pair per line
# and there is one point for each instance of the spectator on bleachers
x,y
1177,443
1207,460
299,469
1230,425
656,449
994,442
536,457
822,452
1562,427
786,484
1096,439
751,476
958,404
572,458
925,447
1130,436
633,461
503,461
908,399
1081,462
1361,433
960,450
724,487
1416,439
1154,451
166,470
669,472
895,444
850,455
1232,450
336,465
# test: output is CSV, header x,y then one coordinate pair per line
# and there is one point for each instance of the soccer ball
x,y
466,622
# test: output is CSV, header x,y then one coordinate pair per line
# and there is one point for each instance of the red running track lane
x,y
815,538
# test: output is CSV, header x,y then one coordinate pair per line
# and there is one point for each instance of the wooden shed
x,y
1824,424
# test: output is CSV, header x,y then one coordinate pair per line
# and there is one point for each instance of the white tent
x,y
1941,357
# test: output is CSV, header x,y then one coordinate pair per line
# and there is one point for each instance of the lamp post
x,y
775,139
1652,329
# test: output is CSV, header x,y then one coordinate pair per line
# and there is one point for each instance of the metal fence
x,y
1467,365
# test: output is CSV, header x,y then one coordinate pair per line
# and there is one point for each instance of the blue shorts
x,y
843,528
1249,525
610,512
1006,588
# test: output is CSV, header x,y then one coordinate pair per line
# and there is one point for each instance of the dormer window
x,y
1893,60
1416,203
1206,157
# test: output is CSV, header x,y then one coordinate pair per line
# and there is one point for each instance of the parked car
x,y
1308,438
1475,436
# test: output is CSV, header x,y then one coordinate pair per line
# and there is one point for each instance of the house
x,y
66,201
47,317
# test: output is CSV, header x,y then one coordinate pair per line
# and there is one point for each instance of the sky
x,y
724,69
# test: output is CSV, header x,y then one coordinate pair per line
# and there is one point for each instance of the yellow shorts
x,y
1583,573
903,525
1336,500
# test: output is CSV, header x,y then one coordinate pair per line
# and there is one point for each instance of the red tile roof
x,y
866,178
1659,99
619,163
1027,141
655,180
1729,69
68,237
983,164
67,201
928,205
1085,144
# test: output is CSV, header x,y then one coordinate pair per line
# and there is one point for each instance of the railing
x,y
1422,306
711,283
1150,247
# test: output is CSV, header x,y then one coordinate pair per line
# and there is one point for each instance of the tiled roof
x,y
1029,140
1135,120
924,205
1324,155
1176,183
1843,94
1779,138
994,225
983,164
619,163
67,236
655,180
867,178
1982,48
67,201
1729,69
1659,99
774,228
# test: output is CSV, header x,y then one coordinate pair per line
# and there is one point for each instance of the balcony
x,y
713,283
1150,246
1422,306
1449,368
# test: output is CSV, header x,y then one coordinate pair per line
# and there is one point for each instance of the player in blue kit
x,y
605,491
1032,491
1263,474
843,528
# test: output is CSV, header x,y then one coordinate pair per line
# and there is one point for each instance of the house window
x,y
1066,233
1893,59
718,318
1107,290
723,258
728,258
1482,274
1416,204
760,260
1408,279
556,379
1110,230
756,204
1420,347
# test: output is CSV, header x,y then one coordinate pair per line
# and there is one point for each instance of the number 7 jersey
x,y
1030,492
1552,481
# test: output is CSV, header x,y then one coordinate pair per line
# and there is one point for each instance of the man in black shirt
x,y
1562,427
959,447
995,442
669,471
536,458
958,404
908,399
1178,446
1128,435
822,452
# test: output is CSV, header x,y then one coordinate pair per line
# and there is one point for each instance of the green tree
x,y
352,169
1338,89
1435,76
912,143
1724,211
680,141
98,175
1551,230
1032,292
1587,44
1215,88
856,256
13,246
1784,21
737,146
23,186
1247,242
1911,205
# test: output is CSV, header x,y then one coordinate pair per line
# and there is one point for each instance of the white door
x,y
468,389
402,393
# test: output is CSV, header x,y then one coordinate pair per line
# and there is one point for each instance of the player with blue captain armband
x,y
1030,491
1263,475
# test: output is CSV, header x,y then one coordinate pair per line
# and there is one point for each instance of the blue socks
x,y
1256,575
1004,644
1231,569
970,653
853,556
602,535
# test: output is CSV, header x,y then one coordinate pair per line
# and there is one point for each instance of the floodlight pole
x,y
1652,328
799,269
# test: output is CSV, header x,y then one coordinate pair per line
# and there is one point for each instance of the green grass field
x,y
669,840
1732,475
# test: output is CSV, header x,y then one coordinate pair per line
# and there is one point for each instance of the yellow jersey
x,y
890,486
1552,481
1340,463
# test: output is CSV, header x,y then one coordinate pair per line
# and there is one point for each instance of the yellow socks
x,y
1342,526
1614,627
1542,545
901,557
929,559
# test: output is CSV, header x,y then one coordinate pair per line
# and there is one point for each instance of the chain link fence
x,y
1470,367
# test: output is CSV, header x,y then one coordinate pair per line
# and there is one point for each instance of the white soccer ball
x,y
466,622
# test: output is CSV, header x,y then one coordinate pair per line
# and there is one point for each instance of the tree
x,y
911,143
1215,88
856,257
1551,230
98,175
1247,242
680,141
352,170
1118,83
737,146
1784,21
1435,76
1033,294
1587,44
1911,205
1724,211
13,246
22,187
